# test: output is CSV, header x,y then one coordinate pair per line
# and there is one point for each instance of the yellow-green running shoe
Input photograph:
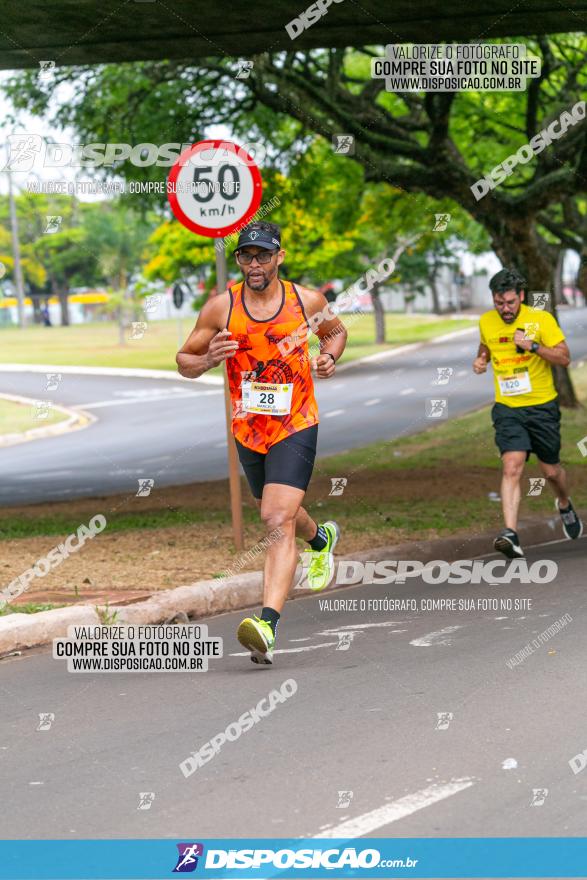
x,y
321,562
257,637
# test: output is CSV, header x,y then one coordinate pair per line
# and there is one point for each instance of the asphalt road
x,y
174,432
364,719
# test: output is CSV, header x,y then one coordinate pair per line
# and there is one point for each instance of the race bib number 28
x,y
267,399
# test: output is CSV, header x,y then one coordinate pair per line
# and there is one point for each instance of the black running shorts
x,y
289,462
529,429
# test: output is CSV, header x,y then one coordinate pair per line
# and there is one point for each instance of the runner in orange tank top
x,y
261,328
260,358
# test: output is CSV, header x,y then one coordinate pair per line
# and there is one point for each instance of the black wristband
x,y
331,355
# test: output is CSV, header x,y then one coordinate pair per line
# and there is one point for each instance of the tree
x,y
119,236
433,144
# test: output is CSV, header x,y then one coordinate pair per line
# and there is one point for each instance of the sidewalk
x,y
210,597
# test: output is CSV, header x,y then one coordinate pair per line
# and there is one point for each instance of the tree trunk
x,y
517,246
64,303
379,315
581,281
434,290
559,297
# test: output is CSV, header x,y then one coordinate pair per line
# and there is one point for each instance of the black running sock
x,y
271,616
320,539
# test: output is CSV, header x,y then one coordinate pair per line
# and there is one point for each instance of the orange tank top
x,y
260,359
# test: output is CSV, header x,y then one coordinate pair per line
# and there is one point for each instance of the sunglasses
x,y
264,257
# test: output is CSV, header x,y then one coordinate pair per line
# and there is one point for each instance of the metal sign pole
x,y
233,463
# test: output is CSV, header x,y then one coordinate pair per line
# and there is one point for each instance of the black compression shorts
x,y
529,429
289,462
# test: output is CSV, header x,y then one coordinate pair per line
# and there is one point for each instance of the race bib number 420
x,y
516,384
267,399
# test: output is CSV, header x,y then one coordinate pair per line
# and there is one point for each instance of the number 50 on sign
x,y
213,187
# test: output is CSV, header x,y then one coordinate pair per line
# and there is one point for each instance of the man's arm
x,y
209,343
482,359
556,354
328,328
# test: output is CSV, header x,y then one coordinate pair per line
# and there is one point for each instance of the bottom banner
x,y
554,857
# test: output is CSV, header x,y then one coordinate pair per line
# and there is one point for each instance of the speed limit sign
x,y
214,187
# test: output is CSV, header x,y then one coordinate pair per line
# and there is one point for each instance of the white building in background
x,y
456,292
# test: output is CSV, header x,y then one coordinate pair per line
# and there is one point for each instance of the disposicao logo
x,y
187,860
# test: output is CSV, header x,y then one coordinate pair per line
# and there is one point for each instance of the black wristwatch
x,y
331,355
534,347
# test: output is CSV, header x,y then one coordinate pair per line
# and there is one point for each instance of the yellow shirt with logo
x,y
520,379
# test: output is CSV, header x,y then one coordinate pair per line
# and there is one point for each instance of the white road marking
x,y
462,373
373,401
150,392
396,810
453,335
292,650
381,355
37,475
334,630
435,638
333,412
99,404
131,372
405,391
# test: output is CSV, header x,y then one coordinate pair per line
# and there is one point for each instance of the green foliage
x,y
98,243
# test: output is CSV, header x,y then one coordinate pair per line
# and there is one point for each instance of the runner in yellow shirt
x,y
522,344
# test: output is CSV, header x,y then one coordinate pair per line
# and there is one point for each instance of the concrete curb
x,y
210,597
77,419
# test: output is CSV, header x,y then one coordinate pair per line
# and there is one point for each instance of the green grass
x,y
96,344
399,330
447,472
18,417
460,453
468,439
27,527
28,608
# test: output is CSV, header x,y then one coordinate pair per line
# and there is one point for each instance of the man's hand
x,y
521,341
221,347
480,364
323,366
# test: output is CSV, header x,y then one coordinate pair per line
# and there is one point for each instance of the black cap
x,y
257,237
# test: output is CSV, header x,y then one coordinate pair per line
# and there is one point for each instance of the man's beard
x,y
511,319
259,285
